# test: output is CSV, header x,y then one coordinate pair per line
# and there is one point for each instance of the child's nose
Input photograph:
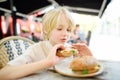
x,y
65,32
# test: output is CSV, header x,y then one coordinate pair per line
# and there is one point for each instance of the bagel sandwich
x,y
84,65
67,52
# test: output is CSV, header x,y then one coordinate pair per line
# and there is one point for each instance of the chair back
x,y
11,47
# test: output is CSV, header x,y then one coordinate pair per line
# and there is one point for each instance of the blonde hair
x,y
51,18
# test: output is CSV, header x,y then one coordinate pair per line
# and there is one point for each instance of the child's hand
x,y
82,49
52,54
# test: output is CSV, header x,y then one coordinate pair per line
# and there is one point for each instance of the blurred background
x,y
100,17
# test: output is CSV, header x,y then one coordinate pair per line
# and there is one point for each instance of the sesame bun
x,y
84,64
67,52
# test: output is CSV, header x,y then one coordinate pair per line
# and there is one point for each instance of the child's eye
x,y
69,30
59,29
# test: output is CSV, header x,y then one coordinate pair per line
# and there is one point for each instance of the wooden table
x,y
111,72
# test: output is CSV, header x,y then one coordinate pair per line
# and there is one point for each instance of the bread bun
x,y
67,52
84,64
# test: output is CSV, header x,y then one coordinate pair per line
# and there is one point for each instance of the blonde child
x,y
57,27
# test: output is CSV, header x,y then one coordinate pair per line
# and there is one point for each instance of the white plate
x,y
63,68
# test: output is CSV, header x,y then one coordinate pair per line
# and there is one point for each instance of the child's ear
x,y
44,31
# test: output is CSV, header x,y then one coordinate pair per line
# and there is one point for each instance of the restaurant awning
x,y
25,7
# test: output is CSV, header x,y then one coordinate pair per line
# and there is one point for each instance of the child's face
x,y
61,33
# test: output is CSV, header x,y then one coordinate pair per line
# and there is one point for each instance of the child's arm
x,y
14,72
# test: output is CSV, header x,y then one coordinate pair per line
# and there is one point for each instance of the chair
x,y
88,37
11,47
